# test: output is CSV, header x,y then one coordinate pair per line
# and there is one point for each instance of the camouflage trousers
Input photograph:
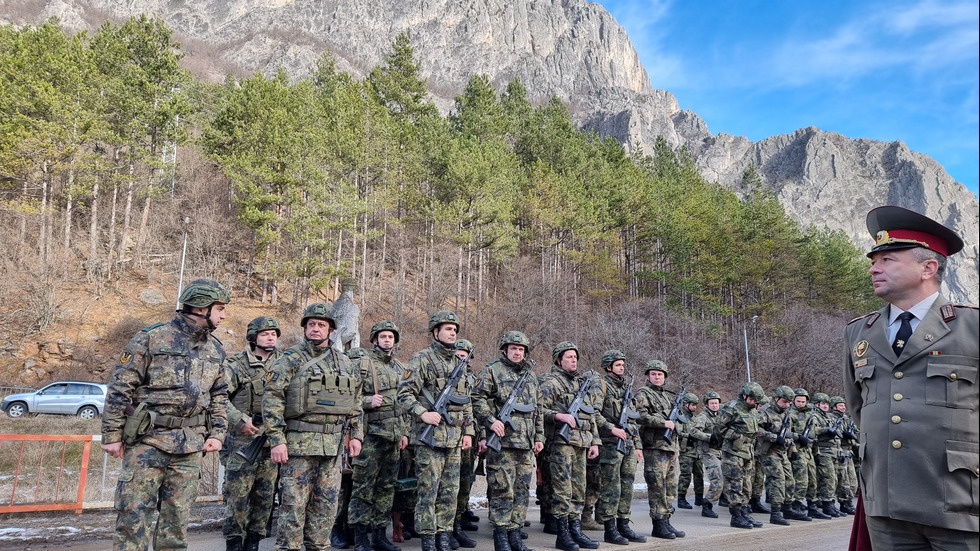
x,y
826,459
593,478
373,488
309,487
660,474
568,471
801,477
617,472
691,470
846,478
153,480
509,473
811,476
758,478
249,492
779,486
438,472
737,471
544,492
712,471
467,462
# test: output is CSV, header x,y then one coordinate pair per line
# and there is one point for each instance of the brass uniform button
x,y
896,419
896,444
898,396
899,374
952,376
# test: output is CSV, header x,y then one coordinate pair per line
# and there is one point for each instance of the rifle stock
x,y
253,450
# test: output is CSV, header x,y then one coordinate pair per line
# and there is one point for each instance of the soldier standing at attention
x,y
738,427
707,443
653,403
165,406
846,477
567,458
827,450
249,489
910,383
509,469
437,467
375,469
465,519
800,461
689,466
772,450
312,398
617,468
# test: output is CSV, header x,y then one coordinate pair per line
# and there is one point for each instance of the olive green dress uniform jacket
x,y
175,369
494,386
422,382
918,416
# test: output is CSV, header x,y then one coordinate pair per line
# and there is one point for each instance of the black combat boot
x,y
757,507
461,537
468,525
776,517
470,516
516,539
583,541
738,521
564,541
444,541
361,539
678,533
792,513
707,510
428,542
813,510
847,507
233,544
381,541
451,538
682,503
611,534
623,526
723,501
698,500
408,526
550,523
748,517
830,509
500,540
337,538
660,530
252,540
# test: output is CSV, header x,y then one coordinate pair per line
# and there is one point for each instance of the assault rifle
x,y
807,436
784,428
835,428
625,415
446,397
676,415
849,432
250,452
510,406
578,404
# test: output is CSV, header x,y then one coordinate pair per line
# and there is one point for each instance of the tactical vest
x,y
248,396
317,391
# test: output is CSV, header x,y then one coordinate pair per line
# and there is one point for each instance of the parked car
x,y
86,400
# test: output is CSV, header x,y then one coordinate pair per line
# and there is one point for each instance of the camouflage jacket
x,y
800,418
327,439
558,389
705,424
385,421
770,423
421,384
245,375
687,443
738,426
494,386
654,403
822,425
175,369
612,408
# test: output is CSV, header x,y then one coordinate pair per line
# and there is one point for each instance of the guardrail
x,y
30,449
8,390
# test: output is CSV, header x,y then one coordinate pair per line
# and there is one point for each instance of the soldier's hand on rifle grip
x,y
212,445
498,428
376,400
566,418
354,447
619,433
431,418
668,424
279,454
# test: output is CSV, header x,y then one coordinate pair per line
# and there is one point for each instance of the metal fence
x,y
8,390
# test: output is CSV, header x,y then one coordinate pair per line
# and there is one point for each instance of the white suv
x,y
86,400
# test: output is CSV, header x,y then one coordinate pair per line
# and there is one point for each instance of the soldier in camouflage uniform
x,y
466,519
800,413
827,454
384,435
249,489
707,445
312,401
846,475
772,448
619,453
738,426
437,467
166,405
689,465
509,469
566,458
653,403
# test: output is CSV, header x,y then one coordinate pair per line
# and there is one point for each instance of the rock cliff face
x,y
570,48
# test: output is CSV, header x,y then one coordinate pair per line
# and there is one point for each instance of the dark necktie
x,y
904,332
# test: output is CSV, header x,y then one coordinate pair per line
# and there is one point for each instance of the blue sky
x,y
897,70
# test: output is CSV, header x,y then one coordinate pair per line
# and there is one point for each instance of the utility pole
x,y
745,337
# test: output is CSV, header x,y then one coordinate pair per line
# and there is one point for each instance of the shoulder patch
x,y
270,376
865,316
152,327
408,373
125,357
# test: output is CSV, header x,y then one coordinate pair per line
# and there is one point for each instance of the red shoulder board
x,y
872,315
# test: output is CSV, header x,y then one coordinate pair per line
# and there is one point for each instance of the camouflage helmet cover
x,y
690,398
611,357
441,317
260,324
711,395
386,325
656,365
785,392
801,392
202,293
821,397
356,352
560,349
834,400
318,310
753,390
515,337
463,344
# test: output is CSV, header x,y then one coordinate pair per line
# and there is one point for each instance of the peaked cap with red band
x,y
898,228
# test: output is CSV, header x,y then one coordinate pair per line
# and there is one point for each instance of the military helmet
x,y
356,352
690,398
560,349
463,344
260,324
656,365
611,356
801,392
385,325
785,392
821,397
202,293
441,317
710,395
834,400
515,337
318,310
753,390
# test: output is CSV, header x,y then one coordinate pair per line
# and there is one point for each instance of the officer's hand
x,y
113,450
212,445
279,454
566,418
620,433
593,452
467,442
403,443
538,446
431,417
376,400
668,424
248,428
354,447
498,428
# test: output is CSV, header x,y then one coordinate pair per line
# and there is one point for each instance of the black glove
x,y
804,440
794,456
781,440
850,434
713,440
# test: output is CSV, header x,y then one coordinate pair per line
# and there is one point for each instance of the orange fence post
x,y
76,505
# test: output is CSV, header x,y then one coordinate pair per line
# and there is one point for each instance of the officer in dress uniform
x,y
910,381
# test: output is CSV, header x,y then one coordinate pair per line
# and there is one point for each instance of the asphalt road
x,y
702,533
